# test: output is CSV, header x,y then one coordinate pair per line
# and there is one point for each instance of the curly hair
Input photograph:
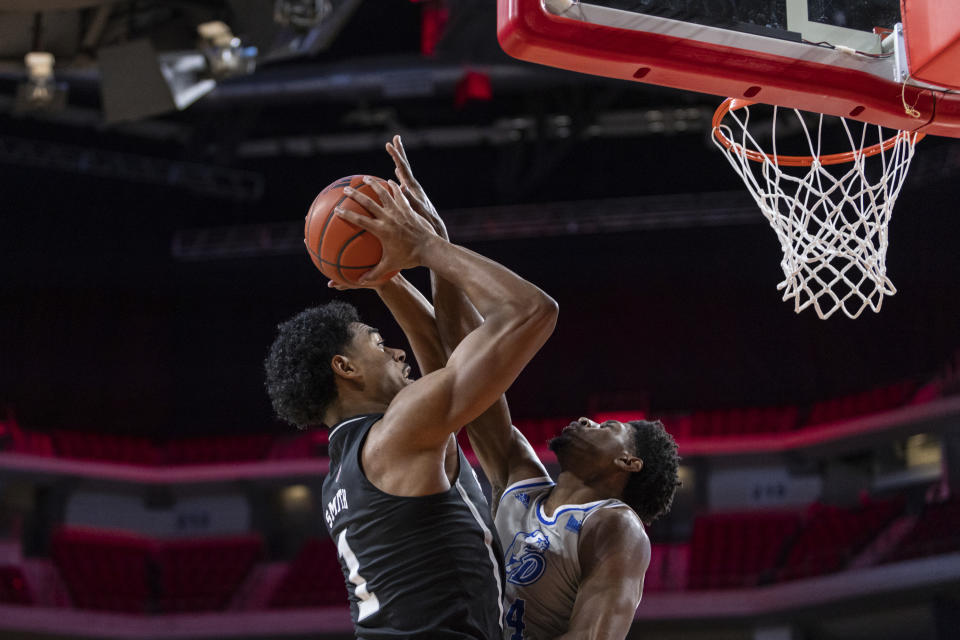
x,y
650,491
299,379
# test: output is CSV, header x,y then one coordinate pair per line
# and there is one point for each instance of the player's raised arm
x,y
614,555
517,319
503,452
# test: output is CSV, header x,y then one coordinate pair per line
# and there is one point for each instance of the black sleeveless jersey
x,y
425,567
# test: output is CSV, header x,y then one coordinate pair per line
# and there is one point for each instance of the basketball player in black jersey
x,y
414,535
578,571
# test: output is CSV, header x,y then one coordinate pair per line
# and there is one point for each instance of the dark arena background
x,y
147,254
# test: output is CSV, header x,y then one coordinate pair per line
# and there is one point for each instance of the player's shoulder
x,y
614,544
615,527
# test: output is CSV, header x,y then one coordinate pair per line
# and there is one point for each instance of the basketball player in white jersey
x,y
575,549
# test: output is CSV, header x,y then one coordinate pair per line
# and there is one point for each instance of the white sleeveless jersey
x,y
541,559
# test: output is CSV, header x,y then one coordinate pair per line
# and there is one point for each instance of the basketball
x,y
342,251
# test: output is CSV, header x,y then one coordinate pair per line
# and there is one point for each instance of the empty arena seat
x,y
314,578
861,404
203,574
13,586
118,571
742,549
18,440
142,451
217,449
106,447
104,570
669,565
742,421
831,536
936,531
311,444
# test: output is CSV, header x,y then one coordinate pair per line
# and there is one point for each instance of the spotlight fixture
x,y
301,14
225,54
40,92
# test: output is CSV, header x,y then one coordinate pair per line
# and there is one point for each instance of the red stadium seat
x,y
13,586
104,570
861,404
936,531
203,574
313,580
105,447
739,422
832,536
731,550
24,440
217,449
312,444
118,571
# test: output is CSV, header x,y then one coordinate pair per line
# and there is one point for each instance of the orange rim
x,y
731,104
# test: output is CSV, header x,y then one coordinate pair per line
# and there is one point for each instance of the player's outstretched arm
x,y
503,452
518,319
614,556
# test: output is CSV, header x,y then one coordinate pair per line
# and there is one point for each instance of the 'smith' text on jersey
x,y
335,506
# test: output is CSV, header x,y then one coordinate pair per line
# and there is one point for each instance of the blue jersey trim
x,y
586,508
542,481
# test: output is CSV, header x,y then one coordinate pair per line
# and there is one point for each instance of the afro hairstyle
x,y
650,491
299,378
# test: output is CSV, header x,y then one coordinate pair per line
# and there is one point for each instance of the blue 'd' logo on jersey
x,y
525,562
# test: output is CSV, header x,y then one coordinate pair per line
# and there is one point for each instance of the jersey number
x,y
369,604
515,619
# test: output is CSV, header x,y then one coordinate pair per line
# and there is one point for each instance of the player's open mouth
x,y
406,372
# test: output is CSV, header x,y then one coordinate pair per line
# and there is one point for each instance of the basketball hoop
x,y
832,225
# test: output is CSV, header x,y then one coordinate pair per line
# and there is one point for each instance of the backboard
x,y
879,61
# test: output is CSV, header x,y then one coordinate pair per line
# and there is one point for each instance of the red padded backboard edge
x,y
528,32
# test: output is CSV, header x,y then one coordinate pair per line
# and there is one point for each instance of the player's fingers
x,y
365,201
404,174
382,192
398,143
358,219
398,193
403,164
335,285
374,275
415,201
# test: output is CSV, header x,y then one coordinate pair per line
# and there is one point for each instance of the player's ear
x,y
343,367
629,463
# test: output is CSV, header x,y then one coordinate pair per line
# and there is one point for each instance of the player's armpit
x,y
614,555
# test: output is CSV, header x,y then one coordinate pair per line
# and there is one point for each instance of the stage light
x,y
40,92
137,82
301,14
225,53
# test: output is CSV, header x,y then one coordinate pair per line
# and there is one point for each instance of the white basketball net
x,y
831,220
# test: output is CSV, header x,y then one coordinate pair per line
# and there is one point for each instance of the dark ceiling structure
x,y
146,260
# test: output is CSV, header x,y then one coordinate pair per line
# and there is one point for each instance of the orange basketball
x,y
342,251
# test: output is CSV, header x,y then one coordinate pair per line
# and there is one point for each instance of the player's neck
x,y
349,407
570,489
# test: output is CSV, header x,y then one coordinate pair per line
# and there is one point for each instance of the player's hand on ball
x,y
411,187
399,228
340,286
